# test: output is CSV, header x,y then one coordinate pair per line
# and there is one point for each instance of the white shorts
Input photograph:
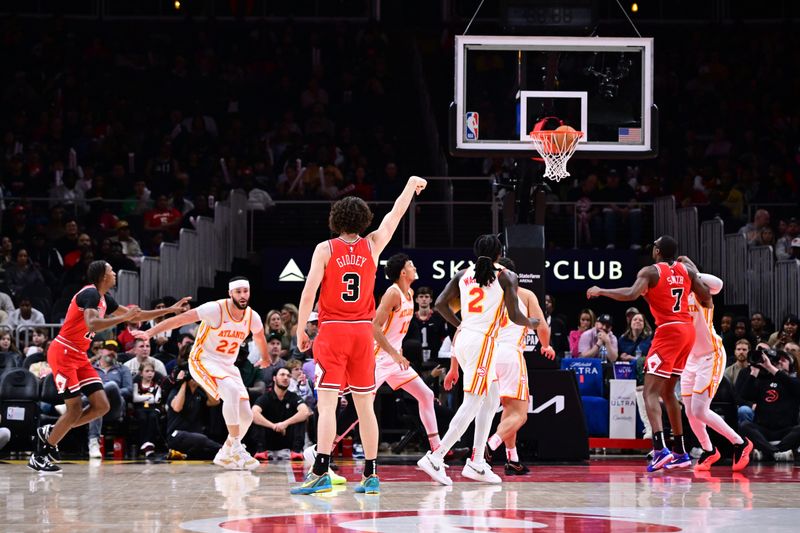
x,y
475,353
703,373
512,372
206,370
386,370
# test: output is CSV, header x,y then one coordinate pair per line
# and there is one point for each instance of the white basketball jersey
x,y
224,339
396,326
510,333
481,307
706,340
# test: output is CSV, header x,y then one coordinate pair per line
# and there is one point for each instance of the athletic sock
x,y
677,444
511,454
321,464
658,440
495,441
370,467
434,441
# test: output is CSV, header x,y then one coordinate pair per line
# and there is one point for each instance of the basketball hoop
x,y
556,147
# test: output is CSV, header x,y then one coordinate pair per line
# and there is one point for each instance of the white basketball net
x,y
556,147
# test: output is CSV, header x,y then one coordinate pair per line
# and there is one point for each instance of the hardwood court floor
x,y
603,495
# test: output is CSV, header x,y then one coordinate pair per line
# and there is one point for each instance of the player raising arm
x,y
344,270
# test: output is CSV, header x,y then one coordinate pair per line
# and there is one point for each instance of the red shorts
x,y
72,371
670,349
345,353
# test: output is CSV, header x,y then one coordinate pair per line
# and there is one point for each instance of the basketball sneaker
x,y
310,454
43,465
679,460
240,459
660,458
434,467
313,484
480,471
515,468
45,448
741,454
784,457
707,459
368,485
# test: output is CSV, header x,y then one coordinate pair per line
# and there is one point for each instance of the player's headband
x,y
238,284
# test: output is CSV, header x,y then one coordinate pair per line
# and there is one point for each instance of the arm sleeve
x,y
256,325
713,283
210,313
111,305
88,299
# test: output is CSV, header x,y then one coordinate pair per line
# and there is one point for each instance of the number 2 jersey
x,y
74,333
481,307
669,299
346,294
219,335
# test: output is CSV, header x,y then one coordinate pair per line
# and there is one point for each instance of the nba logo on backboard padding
x,y
471,124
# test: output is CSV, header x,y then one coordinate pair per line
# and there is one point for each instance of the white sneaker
x,y
94,449
240,459
434,467
480,471
786,456
60,408
223,457
758,456
310,454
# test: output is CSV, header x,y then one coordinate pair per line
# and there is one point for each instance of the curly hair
x,y
349,215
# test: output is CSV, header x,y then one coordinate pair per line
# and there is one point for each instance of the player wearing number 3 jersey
x,y
666,286
343,349
224,326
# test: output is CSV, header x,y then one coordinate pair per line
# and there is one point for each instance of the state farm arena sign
x,y
565,270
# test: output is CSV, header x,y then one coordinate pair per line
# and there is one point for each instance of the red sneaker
x,y
707,459
741,455
296,456
262,456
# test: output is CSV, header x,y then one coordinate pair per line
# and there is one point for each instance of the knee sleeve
x,y
229,393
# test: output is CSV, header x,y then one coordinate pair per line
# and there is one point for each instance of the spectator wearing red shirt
x,y
163,218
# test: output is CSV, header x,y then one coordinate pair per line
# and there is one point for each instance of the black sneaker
x,y
43,465
515,468
45,448
456,454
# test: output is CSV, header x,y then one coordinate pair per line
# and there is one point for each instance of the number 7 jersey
x,y
669,299
348,285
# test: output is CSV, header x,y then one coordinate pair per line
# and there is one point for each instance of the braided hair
x,y
487,248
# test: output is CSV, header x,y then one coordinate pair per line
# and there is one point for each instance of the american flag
x,y
630,135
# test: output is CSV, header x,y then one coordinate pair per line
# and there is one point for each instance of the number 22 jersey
x,y
348,284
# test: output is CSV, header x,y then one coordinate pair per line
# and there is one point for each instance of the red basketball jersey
x,y
74,333
348,283
669,299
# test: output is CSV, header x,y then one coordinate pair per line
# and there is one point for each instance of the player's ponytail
x,y
487,248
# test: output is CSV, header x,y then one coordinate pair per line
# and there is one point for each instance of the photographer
x,y
777,399
188,411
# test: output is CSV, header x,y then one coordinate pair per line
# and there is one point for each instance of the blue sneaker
x,y
369,485
660,458
314,484
358,451
679,460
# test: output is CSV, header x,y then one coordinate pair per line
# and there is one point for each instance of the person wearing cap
x,y
776,395
224,326
783,248
271,360
599,341
130,246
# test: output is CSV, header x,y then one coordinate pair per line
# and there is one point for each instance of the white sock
x,y
494,442
511,454
458,425
483,421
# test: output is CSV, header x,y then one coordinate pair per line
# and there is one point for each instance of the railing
x,y
760,280
712,247
687,231
787,297
664,220
23,334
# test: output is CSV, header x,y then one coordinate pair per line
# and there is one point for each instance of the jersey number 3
x,y
352,282
677,294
